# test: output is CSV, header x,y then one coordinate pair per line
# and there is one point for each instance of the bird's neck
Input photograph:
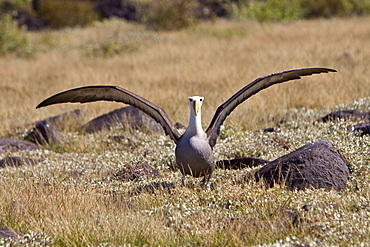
x,y
195,124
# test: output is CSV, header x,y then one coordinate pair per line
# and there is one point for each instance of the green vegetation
x,y
178,14
16,4
263,10
273,10
62,13
120,43
14,40
169,14
331,8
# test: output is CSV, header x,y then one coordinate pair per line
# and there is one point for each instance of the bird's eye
x,y
201,99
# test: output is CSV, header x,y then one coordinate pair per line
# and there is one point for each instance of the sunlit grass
x,y
210,60
72,198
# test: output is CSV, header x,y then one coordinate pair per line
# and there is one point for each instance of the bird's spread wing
x,y
113,93
254,87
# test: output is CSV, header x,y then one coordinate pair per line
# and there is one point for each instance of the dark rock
x,y
271,129
116,8
129,116
362,128
317,165
66,120
123,139
44,133
240,163
345,115
36,5
210,9
8,233
7,7
14,145
105,8
17,161
32,23
137,171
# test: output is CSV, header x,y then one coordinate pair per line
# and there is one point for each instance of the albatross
x,y
194,148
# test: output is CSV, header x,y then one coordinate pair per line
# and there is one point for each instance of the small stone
x,y
137,171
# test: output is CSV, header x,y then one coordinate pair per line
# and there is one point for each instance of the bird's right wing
x,y
252,88
113,93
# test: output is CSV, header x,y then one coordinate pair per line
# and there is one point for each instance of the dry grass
x,y
213,60
72,198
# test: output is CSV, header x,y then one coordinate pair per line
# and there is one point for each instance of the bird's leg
x,y
207,177
205,181
183,180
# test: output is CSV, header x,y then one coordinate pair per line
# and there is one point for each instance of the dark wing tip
x,y
50,101
65,96
45,102
312,70
325,70
40,105
331,70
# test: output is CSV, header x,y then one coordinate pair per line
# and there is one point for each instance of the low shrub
x,y
62,13
169,14
275,10
121,43
6,5
330,8
298,9
110,47
13,39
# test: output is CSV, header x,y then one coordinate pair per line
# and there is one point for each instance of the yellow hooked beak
x,y
196,107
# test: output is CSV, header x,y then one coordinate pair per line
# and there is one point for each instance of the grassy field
x,y
72,198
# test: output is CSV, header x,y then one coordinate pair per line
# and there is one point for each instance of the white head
x,y
196,103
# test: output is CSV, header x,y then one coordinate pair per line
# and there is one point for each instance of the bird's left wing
x,y
254,87
113,93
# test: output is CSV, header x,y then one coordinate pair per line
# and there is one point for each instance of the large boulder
x,y
316,165
32,23
44,133
116,8
210,9
346,115
17,161
129,117
67,120
14,145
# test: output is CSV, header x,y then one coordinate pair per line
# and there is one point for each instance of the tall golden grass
x,y
214,60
